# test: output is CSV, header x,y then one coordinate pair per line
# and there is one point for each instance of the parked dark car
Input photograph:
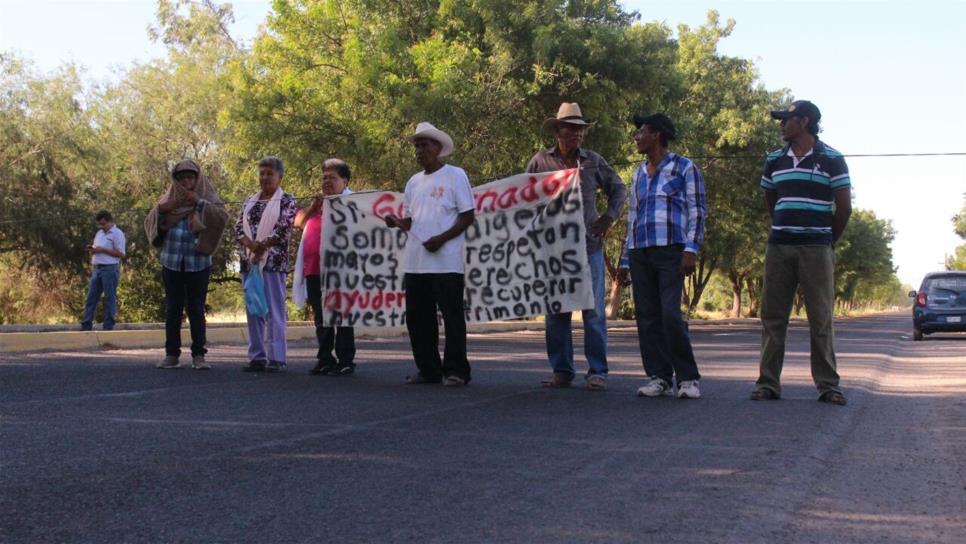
x,y
940,304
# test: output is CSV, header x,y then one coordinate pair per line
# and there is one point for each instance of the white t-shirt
x,y
112,239
434,202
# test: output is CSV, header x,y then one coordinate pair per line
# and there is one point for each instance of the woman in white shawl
x,y
264,229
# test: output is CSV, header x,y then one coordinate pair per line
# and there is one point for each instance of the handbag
x,y
254,287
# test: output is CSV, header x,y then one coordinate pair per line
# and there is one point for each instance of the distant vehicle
x,y
940,304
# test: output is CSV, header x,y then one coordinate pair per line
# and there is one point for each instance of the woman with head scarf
x,y
264,229
187,224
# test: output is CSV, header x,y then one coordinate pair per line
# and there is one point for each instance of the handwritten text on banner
x,y
525,254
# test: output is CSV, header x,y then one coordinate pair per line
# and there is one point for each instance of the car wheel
x,y
916,334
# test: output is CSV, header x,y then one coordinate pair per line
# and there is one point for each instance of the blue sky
x,y
889,77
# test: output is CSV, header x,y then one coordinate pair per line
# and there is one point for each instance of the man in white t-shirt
x,y
438,207
108,249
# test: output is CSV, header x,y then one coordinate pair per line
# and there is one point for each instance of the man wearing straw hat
x,y
438,208
569,128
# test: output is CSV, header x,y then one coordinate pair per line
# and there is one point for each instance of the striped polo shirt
x,y
806,187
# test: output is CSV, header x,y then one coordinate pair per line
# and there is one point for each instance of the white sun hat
x,y
427,130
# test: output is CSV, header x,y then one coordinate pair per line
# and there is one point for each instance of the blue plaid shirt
x,y
668,209
178,251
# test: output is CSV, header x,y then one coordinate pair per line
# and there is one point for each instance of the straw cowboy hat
x,y
427,130
568,113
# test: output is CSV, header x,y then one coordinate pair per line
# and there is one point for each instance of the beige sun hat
x,y
569,113
427,130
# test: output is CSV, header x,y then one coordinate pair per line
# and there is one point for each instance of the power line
x,y
492,178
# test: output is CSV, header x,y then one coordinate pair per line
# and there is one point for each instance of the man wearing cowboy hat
x,y
595,175
438,207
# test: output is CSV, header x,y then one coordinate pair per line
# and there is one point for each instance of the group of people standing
x,y
805,183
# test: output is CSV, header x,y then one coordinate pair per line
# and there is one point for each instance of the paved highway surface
x,y
101,447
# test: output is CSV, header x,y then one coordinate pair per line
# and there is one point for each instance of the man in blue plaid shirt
x,y
665,228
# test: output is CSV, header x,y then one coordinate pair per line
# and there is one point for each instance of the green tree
x,y
162,112
863,256
49,179
958,260
724,122
352,78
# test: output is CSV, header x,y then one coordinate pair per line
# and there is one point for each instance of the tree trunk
x,y
736,288
695,284
753,287
799,301
613,306
614,300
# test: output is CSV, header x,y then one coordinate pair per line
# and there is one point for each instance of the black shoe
x,y
833,397
254,366
344,369
274,366
323,368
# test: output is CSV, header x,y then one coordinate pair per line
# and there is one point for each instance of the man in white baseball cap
x,y
438,207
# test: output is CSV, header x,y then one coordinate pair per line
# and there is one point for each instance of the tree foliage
x,y
958,259
351,79
863,255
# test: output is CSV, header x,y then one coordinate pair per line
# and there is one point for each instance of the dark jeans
x,y
424,294
661,331
342,338
181,290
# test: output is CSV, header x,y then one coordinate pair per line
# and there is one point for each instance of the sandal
x,y
454,381
343,369
418,379
557,381
833,397
322,369
764,394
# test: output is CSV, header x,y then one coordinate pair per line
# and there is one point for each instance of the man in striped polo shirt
x,y
665,228
808,193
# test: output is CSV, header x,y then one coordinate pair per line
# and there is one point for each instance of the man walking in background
x,y
808,193
106,253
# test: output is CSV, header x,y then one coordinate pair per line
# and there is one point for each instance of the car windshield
x,y
955,284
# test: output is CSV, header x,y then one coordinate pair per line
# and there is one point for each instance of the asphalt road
x,y
101,447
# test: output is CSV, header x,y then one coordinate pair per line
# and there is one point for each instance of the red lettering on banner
x,y
529,191
346,301
383,206
551,184
508,198
490,200
481,198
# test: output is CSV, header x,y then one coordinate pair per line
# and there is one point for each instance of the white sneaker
x,y
688,389
656,388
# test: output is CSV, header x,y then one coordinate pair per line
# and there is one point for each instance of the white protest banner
x,y
525,254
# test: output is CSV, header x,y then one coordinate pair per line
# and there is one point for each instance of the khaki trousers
x,y
787,267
